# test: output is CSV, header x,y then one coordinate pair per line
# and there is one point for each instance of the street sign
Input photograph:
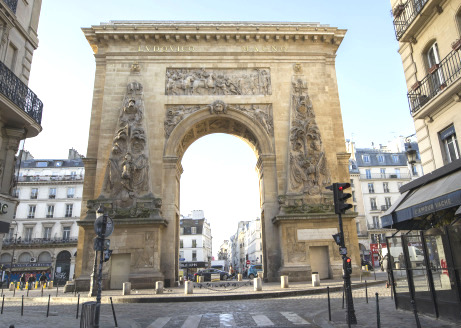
x,y
97,246
342,250
248,261
109,226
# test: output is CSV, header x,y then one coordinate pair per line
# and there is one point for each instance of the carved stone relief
x,y
308,173
201,81
260,113
296,251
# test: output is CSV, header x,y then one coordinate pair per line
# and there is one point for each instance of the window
x,y
28,233
357,224
33,193
47,233
366,158
69,208
397,173
50,212
353,196
194,255
352,182
42,164
383,173
193,230
11,234
194,243
16,192
368,173
395,158
181,244
381,158
373,204
31,214
181,231
70,192
376,222
435,75
386,186
181,255
388,201
371,188
414,170
450,144
66,233
11,57
73,175
52,193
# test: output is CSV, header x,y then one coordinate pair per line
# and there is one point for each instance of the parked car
x,y
254,269
206,274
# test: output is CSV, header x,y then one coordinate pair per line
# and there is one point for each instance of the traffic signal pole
x,y
340,207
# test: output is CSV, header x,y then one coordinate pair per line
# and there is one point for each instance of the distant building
x,y
246,245
20,108
376,176
195,238
43,236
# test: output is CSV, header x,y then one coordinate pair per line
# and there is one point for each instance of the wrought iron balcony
x,y
51,178
8,242
405,14
439,78
373,226
385,176
16,91
12,4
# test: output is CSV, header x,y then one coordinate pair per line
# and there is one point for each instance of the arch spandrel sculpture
x,y
167,85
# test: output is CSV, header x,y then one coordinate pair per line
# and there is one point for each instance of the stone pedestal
x,y
258,286
284,281
159,287
315,279
50,284
189,287
11,288
126,289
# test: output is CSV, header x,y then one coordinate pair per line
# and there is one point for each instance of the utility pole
x,y
340,208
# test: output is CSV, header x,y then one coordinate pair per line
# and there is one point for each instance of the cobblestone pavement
x,y
298,311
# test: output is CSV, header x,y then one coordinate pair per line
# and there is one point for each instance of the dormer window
x,y
366,158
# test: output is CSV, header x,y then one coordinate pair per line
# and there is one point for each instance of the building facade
x,y
429,36
20,108
195,238
376,177
246,245
44,233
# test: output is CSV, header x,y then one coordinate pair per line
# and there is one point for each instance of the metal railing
x,y
385,207
16,91
385,176
406,14
440,76
38,178
372,226
31,241
12,4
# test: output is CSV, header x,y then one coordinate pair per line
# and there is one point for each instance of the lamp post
x,y
410,152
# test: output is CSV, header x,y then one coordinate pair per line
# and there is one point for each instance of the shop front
x,y
425,261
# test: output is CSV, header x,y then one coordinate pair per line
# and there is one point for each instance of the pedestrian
x,y
43,279
30,280
22,281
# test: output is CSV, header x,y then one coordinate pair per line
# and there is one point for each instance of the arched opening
x,y
219,179
24,257
61,274
44,257
258,134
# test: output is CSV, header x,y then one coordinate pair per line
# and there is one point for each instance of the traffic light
x,y
337,238
340,197
107,254
348,265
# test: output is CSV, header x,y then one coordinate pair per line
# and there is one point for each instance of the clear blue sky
x,y
369,70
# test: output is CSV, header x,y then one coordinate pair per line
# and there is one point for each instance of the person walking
x,y
43,279
22,281
31,282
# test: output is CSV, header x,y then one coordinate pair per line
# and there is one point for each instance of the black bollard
x,y
14,290
374,272
22,306
366,291
2,289
329,306
57,291
48,307
27,292
3,302
378,319
343,297
42,290
392,293
113,312
78,305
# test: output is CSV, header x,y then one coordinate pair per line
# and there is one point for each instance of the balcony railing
x,y
385,207
406,14
41,178
385,176
35,241
12,4
16,91
440,77
372,226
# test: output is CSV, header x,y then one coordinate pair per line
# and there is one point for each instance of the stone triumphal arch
x,y
159,86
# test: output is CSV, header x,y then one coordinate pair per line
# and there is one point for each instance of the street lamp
x,y
16,240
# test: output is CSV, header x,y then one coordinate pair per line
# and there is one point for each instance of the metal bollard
x,y
366,291
78,305
48,308
22,306
374,272
378,319
113,312
3,303
329,306
57,291
42,289
14,292
343,298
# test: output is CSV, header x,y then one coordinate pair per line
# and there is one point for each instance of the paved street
x,y
297,311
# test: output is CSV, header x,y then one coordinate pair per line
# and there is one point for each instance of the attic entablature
x,y
227,32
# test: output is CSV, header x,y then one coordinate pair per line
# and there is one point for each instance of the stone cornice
x,y
170,31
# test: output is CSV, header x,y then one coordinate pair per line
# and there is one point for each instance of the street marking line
x,y
159,322
192,321
226,320
294,318
262,320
